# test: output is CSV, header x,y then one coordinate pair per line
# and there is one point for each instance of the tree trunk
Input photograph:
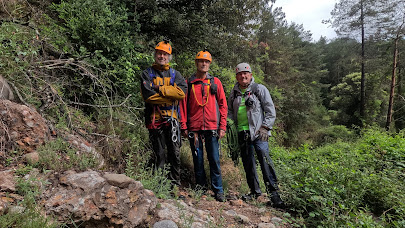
x,y
391,100
363,77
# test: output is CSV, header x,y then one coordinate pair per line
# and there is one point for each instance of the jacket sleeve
x,y
176,91
222,104
166,94
146,84
267,106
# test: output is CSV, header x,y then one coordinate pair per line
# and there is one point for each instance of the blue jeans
x,y
249,163
212,148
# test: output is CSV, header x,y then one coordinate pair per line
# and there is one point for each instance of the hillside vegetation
x,y
78,62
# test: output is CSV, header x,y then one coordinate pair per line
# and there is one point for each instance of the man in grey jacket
x,y
251,108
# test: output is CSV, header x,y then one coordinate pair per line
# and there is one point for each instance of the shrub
x,y
346,184
58,155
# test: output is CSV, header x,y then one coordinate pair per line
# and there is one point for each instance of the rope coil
x,y
232,138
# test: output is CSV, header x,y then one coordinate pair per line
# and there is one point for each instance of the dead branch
x,y
101,106
83,69
19,95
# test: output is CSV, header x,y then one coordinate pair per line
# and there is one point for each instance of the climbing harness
x,y
197,135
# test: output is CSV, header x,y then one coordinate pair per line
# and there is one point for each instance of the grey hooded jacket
x,y
261,113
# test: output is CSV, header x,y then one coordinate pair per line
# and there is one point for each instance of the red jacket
x,y
200,112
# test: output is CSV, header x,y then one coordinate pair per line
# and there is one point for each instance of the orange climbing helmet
x,y
205,55
164,46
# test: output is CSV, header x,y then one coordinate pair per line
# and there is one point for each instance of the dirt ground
x,y
257,211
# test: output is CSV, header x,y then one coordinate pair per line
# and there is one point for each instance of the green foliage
x,y
345,97
58,155
54,34
29,216
19,47
226,75
16,48
26,219
91,53
98,25
333,134
155,180
138,166
346,184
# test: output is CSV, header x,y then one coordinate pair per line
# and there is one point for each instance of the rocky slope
x,y
104,199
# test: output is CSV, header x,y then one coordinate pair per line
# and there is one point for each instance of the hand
x,y
263,134
184,133
221,133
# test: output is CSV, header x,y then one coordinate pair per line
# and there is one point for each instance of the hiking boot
x,y
251,196
276,200
220,197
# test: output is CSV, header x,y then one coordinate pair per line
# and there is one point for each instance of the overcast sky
x,y
310,13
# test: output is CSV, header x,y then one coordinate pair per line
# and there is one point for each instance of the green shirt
x,y
243,123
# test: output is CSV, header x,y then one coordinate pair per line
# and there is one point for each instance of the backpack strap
x,y
254,90
173,75
152,74
211,83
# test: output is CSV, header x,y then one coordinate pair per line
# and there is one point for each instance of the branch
x,y
83,69
19,95
102,106
125,122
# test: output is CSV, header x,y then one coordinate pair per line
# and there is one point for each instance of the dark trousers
x,y
161,139
249,163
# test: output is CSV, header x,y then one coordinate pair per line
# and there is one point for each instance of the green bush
x,y
332,134
330,185
98,25
138,168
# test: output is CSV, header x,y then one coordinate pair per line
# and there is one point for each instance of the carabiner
x,y
174,137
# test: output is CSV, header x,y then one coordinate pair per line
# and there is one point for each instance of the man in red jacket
x,y
204,112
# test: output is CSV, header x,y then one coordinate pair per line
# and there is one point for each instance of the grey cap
x,y
241,67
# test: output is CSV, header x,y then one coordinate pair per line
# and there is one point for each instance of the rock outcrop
x,y
21,126
5,90
98,200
